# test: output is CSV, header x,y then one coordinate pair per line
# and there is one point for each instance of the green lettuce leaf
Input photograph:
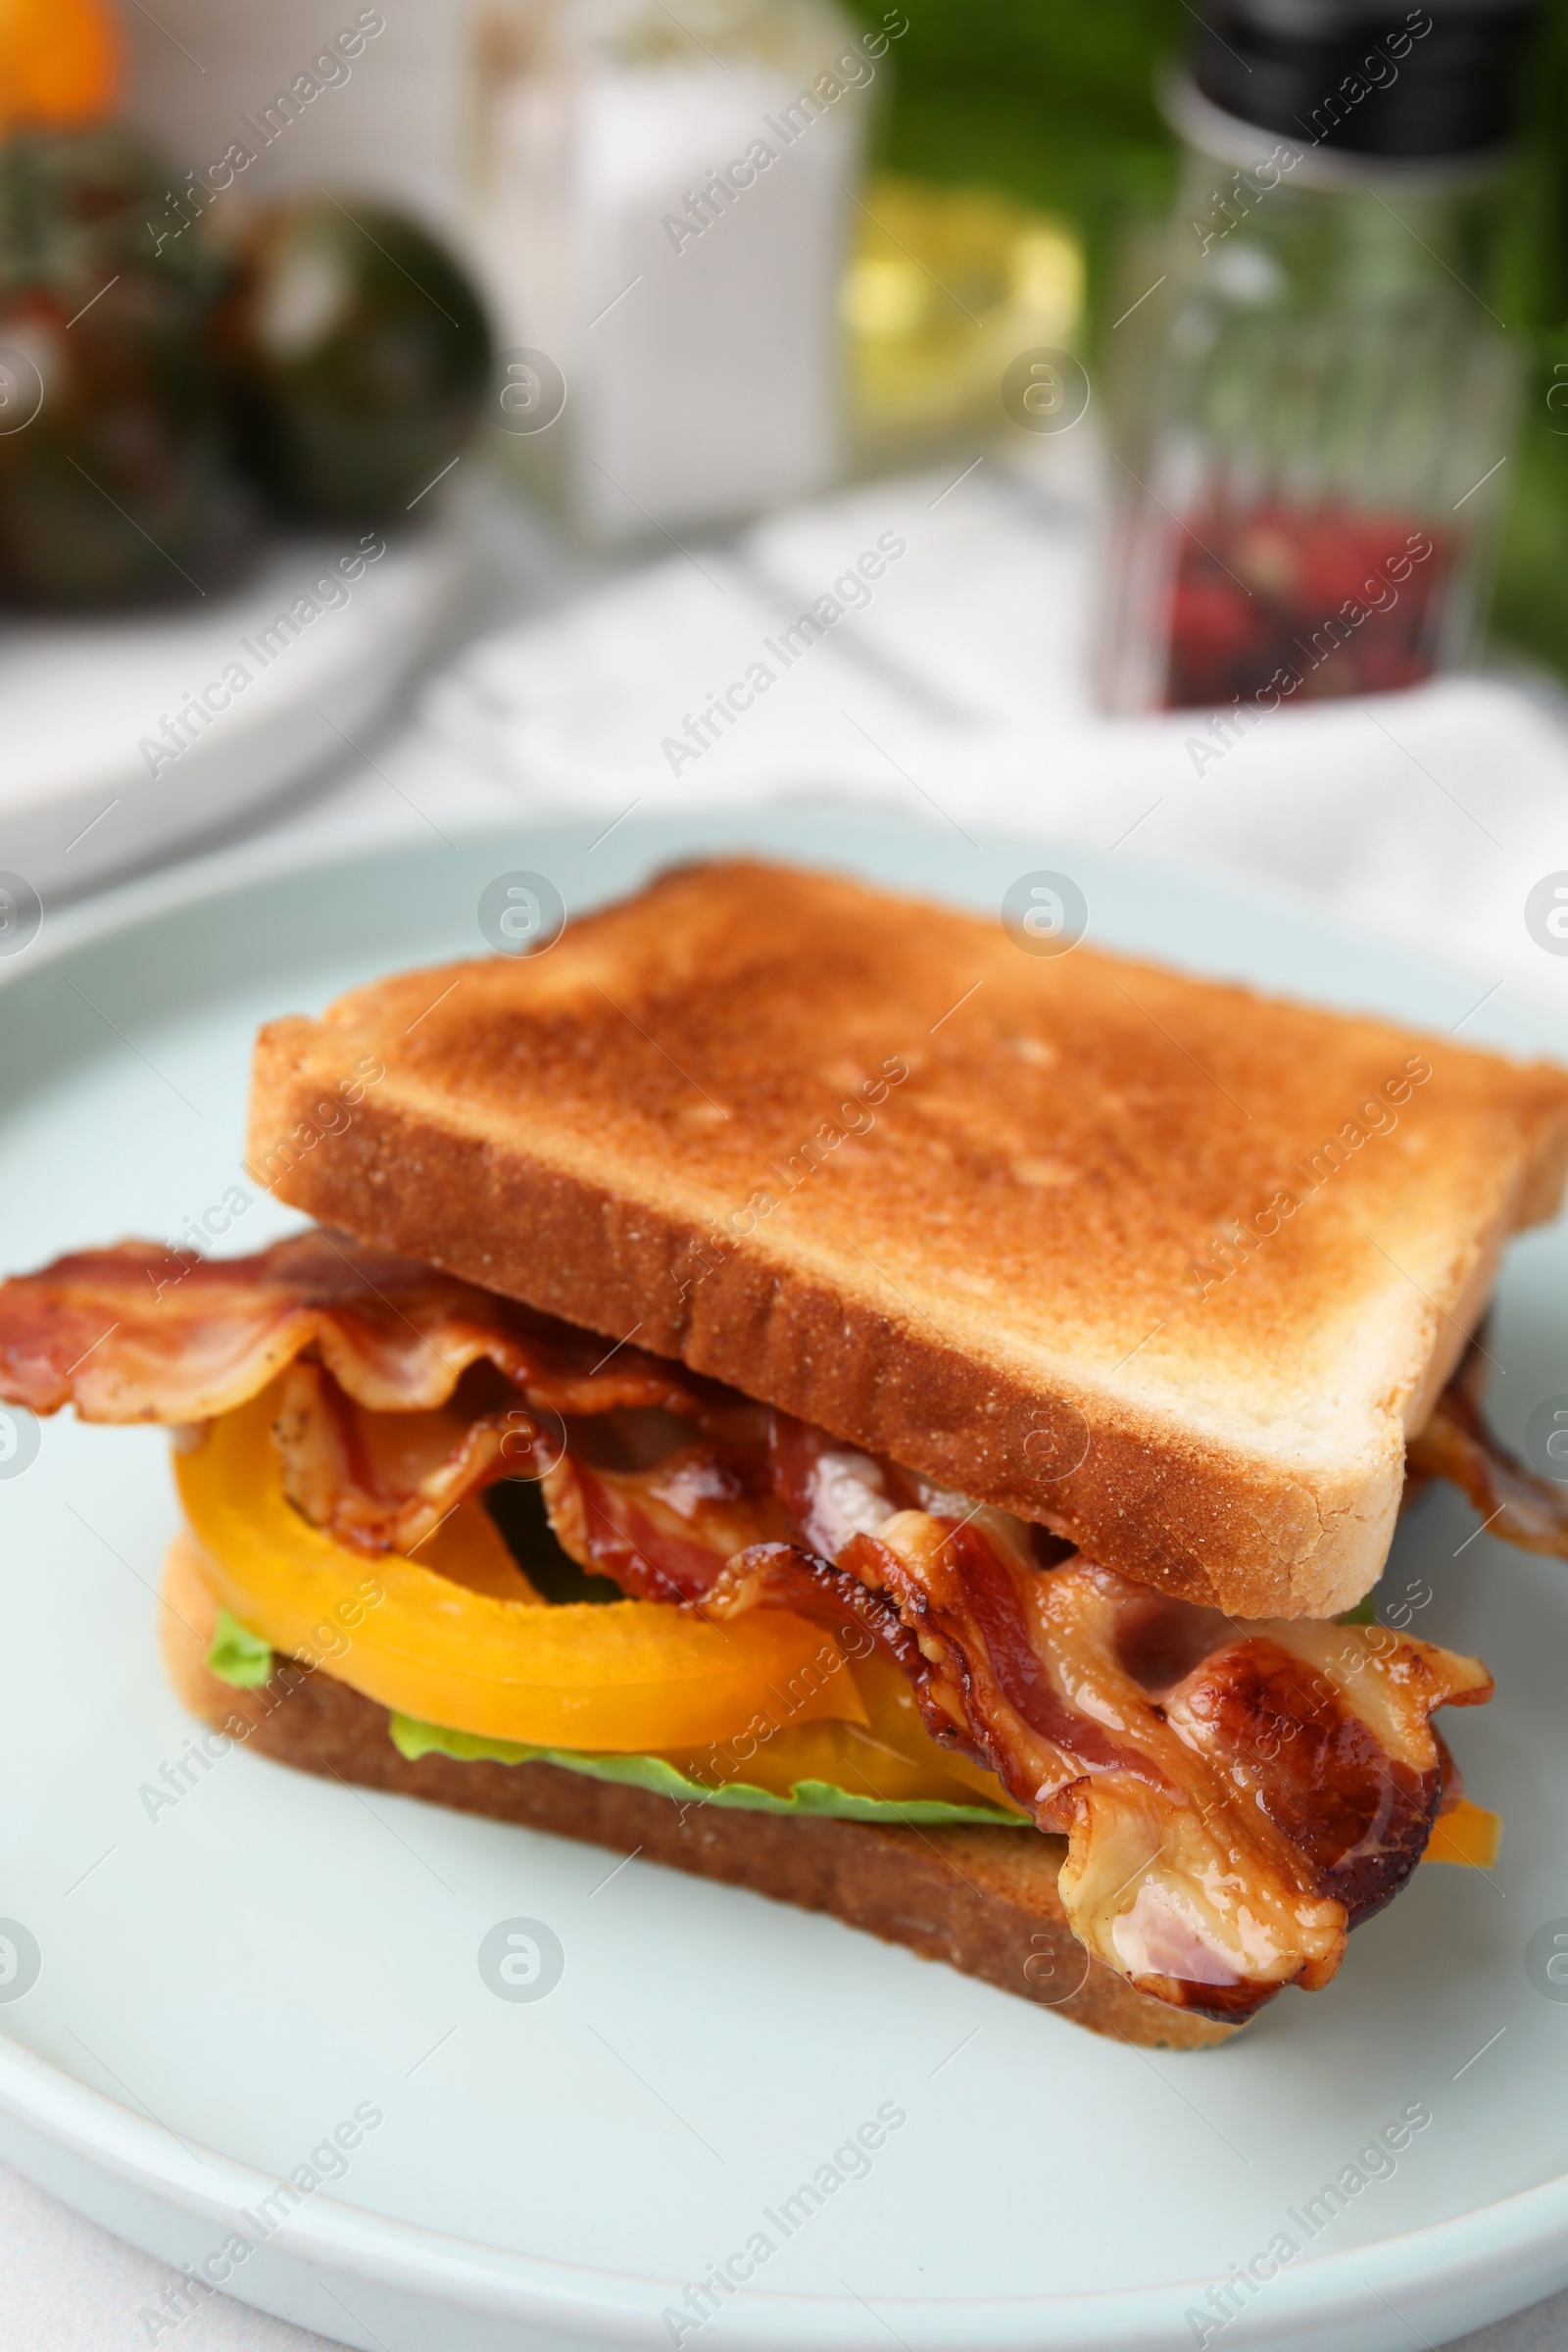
x,y
414,1740
237,1656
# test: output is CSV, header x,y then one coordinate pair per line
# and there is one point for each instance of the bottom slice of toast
x,y
984,1900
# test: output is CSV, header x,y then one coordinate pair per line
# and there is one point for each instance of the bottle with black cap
x,y
1313,397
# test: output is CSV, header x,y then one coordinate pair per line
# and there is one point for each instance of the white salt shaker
x,y
662,201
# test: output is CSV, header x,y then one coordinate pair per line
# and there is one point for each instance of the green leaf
x,y
414,1740
237,1656
1365,1611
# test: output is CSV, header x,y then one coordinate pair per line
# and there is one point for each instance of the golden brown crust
x,y
1018,1245
983,1900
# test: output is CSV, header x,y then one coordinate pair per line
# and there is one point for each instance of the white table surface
x,y
66,2285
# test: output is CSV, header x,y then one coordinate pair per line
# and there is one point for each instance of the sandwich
x,y
790,1383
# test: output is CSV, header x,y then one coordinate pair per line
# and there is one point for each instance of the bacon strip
x,y
382,1481
1235,1799
1516,1504
139,1332
664,1533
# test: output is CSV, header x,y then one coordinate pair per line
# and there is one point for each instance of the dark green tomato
x,y
357,357
120,486
76,206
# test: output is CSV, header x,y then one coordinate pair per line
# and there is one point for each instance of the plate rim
x,y
307,844
493,2281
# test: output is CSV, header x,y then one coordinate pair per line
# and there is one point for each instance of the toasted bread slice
x,y
983,1900
1169,1265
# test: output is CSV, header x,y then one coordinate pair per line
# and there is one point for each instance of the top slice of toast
x,y
1169,1265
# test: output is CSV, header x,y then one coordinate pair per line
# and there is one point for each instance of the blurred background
x,y
332,340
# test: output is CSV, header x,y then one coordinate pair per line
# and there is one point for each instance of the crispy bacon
x,y
785,1576
1235,1799
665,1533
382,1481
662,1529
141,1333
1516,1504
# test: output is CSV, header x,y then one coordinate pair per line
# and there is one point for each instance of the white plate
x,y
79,797
225,1984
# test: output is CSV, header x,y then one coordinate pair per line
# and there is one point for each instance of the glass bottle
x,y
1313,398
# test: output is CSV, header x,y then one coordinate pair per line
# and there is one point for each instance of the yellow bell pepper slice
x,y
1469,1834
891,1755
443,1643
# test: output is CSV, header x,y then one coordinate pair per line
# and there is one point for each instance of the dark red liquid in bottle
x,y
1281,601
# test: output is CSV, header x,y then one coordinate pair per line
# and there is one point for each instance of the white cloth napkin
x,y
954,684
